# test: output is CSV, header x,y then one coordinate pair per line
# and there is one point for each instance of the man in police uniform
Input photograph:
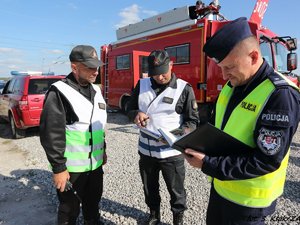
x,y
260,107
72,134
162,101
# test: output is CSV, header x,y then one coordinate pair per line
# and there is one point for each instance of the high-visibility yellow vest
x,y
84,138
256,192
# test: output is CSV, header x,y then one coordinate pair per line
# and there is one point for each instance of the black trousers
x,y
173,172
222,211
89,186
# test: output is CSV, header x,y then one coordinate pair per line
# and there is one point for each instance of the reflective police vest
x,y
162,114
84,138
256,192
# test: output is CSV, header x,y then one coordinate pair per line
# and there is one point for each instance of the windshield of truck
x,y
281,57
265,48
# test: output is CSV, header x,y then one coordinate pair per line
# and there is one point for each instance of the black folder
x,y
207,139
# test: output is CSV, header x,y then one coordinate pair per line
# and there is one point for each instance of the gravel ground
x,y
123,199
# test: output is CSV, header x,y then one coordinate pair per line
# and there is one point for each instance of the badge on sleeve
x,y
194,104
276,118
269,141
101,106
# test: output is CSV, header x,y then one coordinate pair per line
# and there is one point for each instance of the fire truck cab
x,y
182,32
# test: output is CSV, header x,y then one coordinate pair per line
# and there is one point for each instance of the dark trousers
x,y
89,186
173,172
222,211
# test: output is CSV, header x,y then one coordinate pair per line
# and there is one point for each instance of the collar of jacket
x,y
70,80
171,84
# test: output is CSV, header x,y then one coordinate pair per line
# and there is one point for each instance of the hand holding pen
x,y
141,119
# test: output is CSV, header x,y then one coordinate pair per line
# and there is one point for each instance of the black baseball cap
x,y
86,55
158,62
226,38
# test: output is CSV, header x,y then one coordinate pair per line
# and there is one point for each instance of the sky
x,y
38,35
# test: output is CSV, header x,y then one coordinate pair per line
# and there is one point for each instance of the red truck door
x,y
140,70
140,65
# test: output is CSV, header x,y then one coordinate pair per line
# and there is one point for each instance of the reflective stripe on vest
x,y
263,190
162,114
84,138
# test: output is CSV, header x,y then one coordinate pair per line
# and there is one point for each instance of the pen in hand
x,y
144,122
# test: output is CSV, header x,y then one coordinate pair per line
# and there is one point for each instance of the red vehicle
x,y
21,100
182,32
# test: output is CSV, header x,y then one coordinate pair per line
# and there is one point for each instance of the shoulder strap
x,y
281,81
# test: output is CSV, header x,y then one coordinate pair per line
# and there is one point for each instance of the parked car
x,y
21,101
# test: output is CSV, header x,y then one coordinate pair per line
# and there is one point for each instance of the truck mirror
x,y
291,44
292,61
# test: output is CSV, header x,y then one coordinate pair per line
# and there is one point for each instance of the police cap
x,y
85,54
158,62
223,41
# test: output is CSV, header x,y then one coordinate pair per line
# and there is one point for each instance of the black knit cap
x,y
85,54
223,41
158,62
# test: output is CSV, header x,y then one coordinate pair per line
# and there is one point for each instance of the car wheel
x,y
16,132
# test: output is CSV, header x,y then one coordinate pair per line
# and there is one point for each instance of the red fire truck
x,y
182,32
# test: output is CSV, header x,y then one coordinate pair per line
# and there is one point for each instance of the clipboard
x,y
158,137
208,139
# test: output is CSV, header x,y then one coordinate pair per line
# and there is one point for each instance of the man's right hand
x,y
140,119
194,158
60,180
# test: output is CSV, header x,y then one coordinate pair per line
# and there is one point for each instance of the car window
x,y
40,86
2,85
10,86
4,91
18,88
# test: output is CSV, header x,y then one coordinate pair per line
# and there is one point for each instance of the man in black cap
x,y
259,107
72,134
162,101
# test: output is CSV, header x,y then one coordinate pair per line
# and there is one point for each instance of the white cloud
x,y
129,15
8,62
12,67
9,51
132,14
55,60
55,52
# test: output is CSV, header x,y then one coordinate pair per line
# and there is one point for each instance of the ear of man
x,y
74,67
254,55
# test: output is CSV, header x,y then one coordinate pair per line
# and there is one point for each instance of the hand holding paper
x,y
194,158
